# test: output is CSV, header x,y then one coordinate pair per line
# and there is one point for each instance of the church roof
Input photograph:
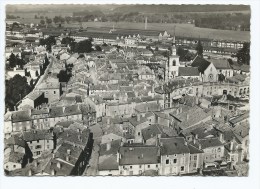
x,y
201,63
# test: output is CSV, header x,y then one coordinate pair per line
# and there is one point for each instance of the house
x,y
239,119
139,160
13,160
189,72
39,141
40,118
184,117
241,132
151,134
213,149
108,164
52,90
16,70
34,99
69,160
21,120
207,70
176,156
141,121
16,153
223,67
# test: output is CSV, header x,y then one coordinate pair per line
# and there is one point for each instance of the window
x,y
219,149
48,146
131,167
37,141
47,141
195,157
139,133
14,166
54,92
38,146
194,164
156,166
174,160
182,168
167,161
140,166
38,152
174,63
148,166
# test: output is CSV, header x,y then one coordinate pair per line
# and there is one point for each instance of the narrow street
x,y
93,162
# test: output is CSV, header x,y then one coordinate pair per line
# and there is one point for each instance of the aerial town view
x,y
122,90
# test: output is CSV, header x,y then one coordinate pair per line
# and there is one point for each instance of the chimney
x,y
30,172
221,137
138,117
59,165
188,116
108,121
53,172
68,151
200,146
53,155
185,143
108,146
196,136
122,143
67,158
232,144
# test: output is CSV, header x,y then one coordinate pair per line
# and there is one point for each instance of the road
x,y
97,133
44,76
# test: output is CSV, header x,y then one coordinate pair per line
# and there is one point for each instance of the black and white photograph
x,y
127,90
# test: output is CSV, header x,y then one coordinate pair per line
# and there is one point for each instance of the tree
x,y
243,55
16,89
56,19
84,46
42,22
199,48
98,48
49,41
12,60
48,21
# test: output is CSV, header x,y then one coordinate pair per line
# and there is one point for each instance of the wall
x,y
37,147
174,168
137,169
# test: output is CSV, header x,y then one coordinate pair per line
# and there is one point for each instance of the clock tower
x,y
173,64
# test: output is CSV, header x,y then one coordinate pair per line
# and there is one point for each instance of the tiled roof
x,y
107,162
20,116
239,118
37,135
201,63
151,131
15,140
34,95
14,157
115,145
137,155
194,150
189,117
173,145
220,63
209,142
188,71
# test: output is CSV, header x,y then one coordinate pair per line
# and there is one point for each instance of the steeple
x,y
174,53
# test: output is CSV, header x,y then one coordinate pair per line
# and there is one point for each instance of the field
x,y
180,30
187,30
